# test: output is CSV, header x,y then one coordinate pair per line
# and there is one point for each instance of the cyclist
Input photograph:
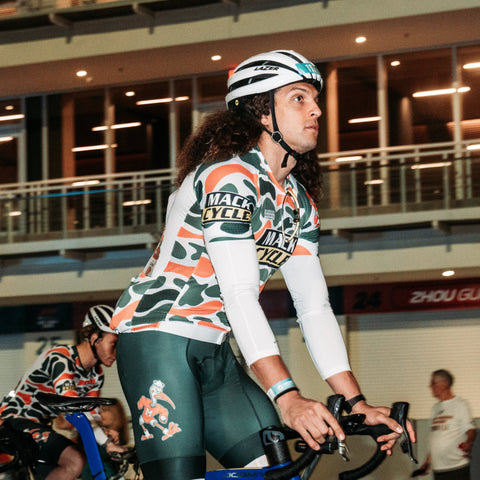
x,y
74,371
245,207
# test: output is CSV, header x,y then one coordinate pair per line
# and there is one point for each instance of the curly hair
x,y
225,134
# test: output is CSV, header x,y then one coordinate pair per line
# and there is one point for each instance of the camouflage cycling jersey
x,y
237,199
58,370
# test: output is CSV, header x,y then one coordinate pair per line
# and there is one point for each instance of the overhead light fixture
x,y
14,213
81,73
473,146
351,158
377,181
395,63
364,119
6,118
6,139
469,66
448,273
84,183
161,100
132,203
361,39
130,93
442,91
9,107
89,148
215,58
116,126
423,166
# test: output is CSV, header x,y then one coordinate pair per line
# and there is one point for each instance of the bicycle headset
x,y
99,316
267,72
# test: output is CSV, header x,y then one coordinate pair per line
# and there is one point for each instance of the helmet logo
x,y
266,67
307,68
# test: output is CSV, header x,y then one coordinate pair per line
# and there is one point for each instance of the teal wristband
x,y
280,388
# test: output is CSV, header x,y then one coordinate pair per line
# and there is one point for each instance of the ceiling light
x,y
352,158
472,65
81,73
6,139
84,183
395,63
378,181
422,166
216,58
9,107
448,273
15,213
364,119
130,93
116,126
161,100
473,146
91,147
442,91
132,203
361,39
6,118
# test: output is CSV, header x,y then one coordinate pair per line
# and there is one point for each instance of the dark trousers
x,y
459,474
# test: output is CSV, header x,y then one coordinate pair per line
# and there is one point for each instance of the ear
x,y
266,120
94,338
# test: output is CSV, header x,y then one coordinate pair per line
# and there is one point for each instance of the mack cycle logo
x,y
154,416
273,250
225,206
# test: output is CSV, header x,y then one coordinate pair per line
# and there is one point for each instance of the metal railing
x,y
403,180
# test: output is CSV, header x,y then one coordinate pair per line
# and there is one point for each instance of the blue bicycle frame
x,y
81,423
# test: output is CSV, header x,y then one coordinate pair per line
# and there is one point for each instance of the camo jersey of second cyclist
x,y
58,370
238,199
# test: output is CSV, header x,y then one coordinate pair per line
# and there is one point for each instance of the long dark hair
x,y
224,134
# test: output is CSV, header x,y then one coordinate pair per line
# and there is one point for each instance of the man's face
x,y
106,346
438,385
297,113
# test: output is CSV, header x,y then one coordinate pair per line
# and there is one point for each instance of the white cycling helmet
x,y
100,316
268,71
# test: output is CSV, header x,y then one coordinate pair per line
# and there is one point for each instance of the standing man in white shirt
x,y
452,432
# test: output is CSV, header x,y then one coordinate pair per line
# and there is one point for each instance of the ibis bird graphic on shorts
x,y
154,415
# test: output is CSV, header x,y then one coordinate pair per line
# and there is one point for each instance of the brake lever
x,y
399,413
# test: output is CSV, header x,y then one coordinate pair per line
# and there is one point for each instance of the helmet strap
x,y
277,136
94,349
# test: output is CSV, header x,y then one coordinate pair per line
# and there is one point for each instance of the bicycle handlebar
x,y
351,425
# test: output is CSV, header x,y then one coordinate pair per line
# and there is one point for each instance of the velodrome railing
x,y
374,188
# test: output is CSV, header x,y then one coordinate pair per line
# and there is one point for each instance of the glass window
x,y
419,102
8,158
11,116
469,76
357,104
142,126
89,145
10,112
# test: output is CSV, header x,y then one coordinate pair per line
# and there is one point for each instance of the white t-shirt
x,y
451,419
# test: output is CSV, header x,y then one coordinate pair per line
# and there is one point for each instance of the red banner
x,y
411,296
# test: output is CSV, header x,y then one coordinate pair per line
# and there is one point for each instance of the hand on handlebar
x,y
112,447
380,416
311,419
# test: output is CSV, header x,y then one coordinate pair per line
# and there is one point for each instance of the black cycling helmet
x,y
99,316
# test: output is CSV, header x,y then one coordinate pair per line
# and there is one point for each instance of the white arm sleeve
x,y
236,268
305,280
